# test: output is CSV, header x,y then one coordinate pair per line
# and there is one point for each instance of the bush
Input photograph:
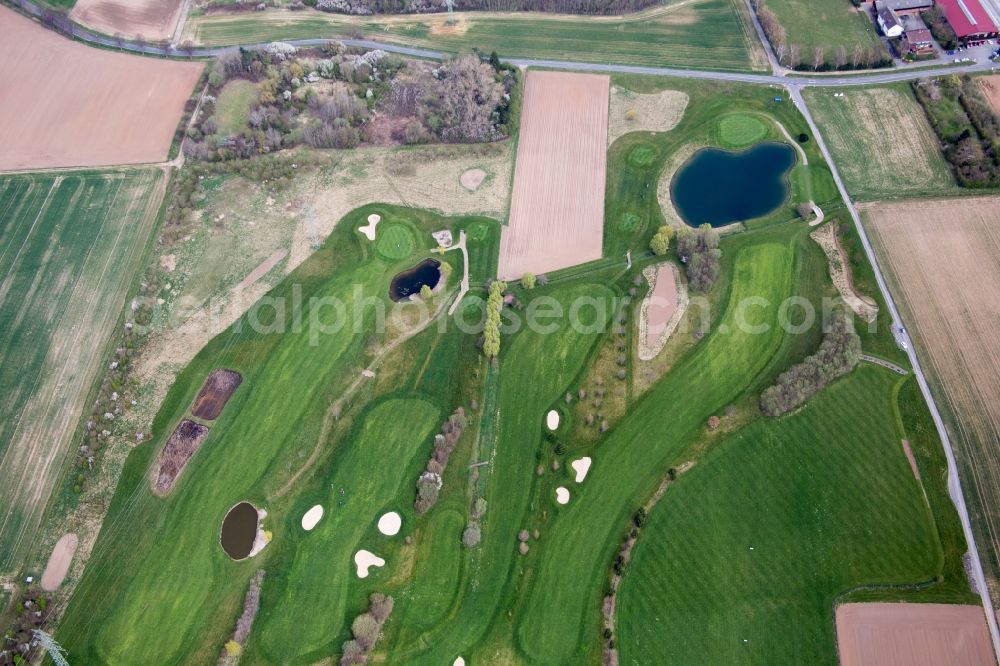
x,y
366,630
528,281
660,242
699,252
471,536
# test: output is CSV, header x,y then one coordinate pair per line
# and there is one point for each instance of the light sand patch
x,y
670,213
59,561
311,517
581,466
552,420
557,206
472,179
263,269
840,273
662,309
562,495
364,560
125,108
369,229
884,634
168,262
459,661
390,523
646,112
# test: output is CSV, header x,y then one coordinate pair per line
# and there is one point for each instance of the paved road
x,y
954,482
794,83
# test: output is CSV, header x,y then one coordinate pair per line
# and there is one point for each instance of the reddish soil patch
x,y
59,561
991,89
183,443
66,104
913,635
153,19
215,393
557,207
913,461
662,304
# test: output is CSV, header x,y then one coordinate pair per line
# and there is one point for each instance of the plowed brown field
x,y
66,104
153,19
912,635
943,261
557,208
991,89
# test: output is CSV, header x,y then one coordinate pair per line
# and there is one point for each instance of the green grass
x,y
827,24
739,129
232,108
743,558
713,34
71,247
394,241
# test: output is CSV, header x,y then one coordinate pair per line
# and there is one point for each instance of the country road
x,y
779,77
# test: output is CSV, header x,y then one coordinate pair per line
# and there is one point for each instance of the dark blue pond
x,y
721,187
411,280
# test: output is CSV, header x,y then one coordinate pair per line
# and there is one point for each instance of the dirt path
x,y
464,288
59,561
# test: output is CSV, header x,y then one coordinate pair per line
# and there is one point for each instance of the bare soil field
x,y
182,445
219,386
882,634
557,207
990,86
66,104
941,261
652,112
58,565
153,19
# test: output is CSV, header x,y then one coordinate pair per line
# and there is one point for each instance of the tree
x,y
140,41
366,630
471,536
840,57
819,58
794,55
660,242
528,281
446,269
856,56
119,39
426,293
188,47
804,210
233,649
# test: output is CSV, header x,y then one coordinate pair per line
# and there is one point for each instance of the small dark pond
x,y
410,281
721,187
239,530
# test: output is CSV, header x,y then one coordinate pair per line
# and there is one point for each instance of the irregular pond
x,y
720,187
409,282
239,530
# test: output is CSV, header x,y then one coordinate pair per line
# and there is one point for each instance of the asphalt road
x,y
779,77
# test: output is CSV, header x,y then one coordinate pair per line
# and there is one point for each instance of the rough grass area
x,y
881,141
826,24
738,564
702,34
73,245
232,108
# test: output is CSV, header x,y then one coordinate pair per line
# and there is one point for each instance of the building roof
x,y
888,18
967,17
922,36
907,5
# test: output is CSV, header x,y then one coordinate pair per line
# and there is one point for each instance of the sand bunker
x,y
311,517
183,443
661,310
459,661
581,467
472,179
912,635
562,495
552,419
219,386
59,561
365,560
369,229
390,523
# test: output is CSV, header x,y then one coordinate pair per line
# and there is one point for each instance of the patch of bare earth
x,y
66,104
472,179
662,309
219,386
940,259
58,565
653,112
990,86
557,206
840,273
883,634
184,442
153,19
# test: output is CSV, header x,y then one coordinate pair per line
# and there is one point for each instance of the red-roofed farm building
x,y
968,19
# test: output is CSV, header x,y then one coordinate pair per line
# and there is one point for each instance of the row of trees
x,y
818,58
367,630
429,483
367,7
838,354
491,330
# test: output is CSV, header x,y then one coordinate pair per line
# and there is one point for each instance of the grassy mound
x,y
740,129
642,155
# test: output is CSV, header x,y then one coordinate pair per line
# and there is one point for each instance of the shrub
x,y
366,630
471,536
528,281
660,242
233,649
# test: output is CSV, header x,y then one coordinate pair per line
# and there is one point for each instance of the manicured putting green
x,y
740,129
395,241
642,156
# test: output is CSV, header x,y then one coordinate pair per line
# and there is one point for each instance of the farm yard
x,y
882,142
557,204
699,34
73,245
940,256
125,108
153,20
